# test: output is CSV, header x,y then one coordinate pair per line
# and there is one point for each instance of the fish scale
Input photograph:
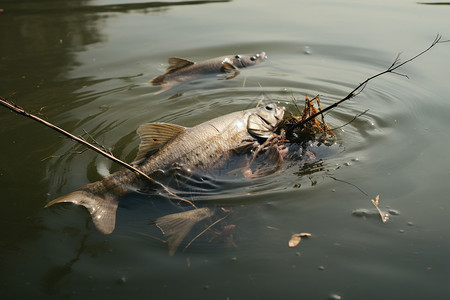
x,y
204,146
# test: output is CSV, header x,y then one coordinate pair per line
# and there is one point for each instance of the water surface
x,y
85,66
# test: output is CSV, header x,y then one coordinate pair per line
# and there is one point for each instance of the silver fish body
x,y
181,70
200,147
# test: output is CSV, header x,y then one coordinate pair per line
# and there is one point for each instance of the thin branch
x,y
354,118
201,233
294,101
96,143
394,66
349,183
19,110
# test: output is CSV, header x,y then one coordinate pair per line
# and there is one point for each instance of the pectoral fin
x,y
154,136
233,75
175,227
230,68
165,86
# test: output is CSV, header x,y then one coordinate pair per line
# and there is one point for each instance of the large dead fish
x,y
181,70
196,148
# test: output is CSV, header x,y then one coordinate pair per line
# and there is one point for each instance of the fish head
x,y
265,120
247,60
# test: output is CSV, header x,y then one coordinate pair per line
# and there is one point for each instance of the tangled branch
x,y
392,69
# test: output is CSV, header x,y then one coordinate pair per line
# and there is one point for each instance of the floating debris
x,y
297,237
383,214
303,128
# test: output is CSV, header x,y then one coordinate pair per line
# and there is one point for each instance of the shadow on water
x,y
50,281
35,55
40,49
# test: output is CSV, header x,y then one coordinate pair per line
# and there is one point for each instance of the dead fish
x,y
181,70
165,145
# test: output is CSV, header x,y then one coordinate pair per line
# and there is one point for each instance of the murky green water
x,y
84,65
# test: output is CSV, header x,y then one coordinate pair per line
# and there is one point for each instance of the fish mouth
x,y
263,125
250,60
259,57
279,113
268,125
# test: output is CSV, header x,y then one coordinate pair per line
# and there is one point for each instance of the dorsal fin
x,y
154,136
176,63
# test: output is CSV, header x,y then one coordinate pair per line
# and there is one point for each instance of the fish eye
x,y
253,58
269,107
237,57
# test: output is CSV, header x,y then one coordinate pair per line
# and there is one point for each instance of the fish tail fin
x,y
158,80
176,226
101,207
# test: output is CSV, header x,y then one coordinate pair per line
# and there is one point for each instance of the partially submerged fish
x,y
164,146
181,70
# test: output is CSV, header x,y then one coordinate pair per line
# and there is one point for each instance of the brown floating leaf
x,y
384,215
295,240
297,237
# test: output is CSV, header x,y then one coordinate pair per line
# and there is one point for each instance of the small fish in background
x,y
181,70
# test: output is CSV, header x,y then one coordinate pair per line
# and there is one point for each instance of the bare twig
x,y
260,101
96,143
294,101
201,233
21,111
384,215
349,183
394,66
354,118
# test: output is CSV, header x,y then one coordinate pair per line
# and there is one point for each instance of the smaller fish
x,y
181,70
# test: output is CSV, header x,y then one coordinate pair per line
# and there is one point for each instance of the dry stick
x,y
207,228
394,66
97,143
349,183
22,112
354,118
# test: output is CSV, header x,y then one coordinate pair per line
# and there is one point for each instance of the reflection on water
x,y
97,6
51,280
40,50
85,65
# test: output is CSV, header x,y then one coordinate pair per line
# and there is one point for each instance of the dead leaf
x,y
297,237
295,240
383,214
